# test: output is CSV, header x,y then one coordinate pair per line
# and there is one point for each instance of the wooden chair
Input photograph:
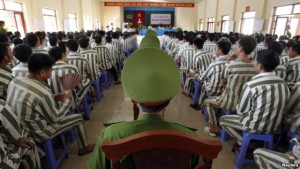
x,y
163,149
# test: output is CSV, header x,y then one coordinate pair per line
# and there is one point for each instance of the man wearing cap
x,y
152,85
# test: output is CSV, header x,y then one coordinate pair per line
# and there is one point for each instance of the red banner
x,y
150,4
139,17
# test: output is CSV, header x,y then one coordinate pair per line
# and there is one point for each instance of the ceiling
x,y
186,1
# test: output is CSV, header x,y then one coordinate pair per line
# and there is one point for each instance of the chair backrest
x,y
162,149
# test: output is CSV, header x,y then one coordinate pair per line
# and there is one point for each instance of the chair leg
x,y
241,155
49,151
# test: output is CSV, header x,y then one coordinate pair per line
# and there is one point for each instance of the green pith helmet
x,y
150,32
150,41
150,76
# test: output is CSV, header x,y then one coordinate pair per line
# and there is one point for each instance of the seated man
x,y
272,159
35,104
262,102
236,74
15,149
152,85
5,73
22,53
61,68
293,69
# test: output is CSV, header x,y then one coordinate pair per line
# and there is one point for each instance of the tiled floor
x,y
116,106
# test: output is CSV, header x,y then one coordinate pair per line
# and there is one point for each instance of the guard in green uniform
x,y
151,78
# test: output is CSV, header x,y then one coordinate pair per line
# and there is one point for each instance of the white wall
x,y
111,14
186,18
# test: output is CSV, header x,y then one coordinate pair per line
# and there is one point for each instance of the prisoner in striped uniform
x,y
75,59
5,73
270,159
113,51
293,69
35,104
106,61
280,70
117,43
209,45
263,99
213,75
60,69
92,57
236,74
32,41
12,149
22,53
292,116
186,61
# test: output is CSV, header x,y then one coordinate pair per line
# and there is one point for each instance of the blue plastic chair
x,y
196,91
240,159
99,93
105,78
224,135
292,135
47,146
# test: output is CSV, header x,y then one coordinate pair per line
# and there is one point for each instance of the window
x,y
284,20
12,14
73,22
201,25
247,23
50,20
87,22
211,25
97,23
225,24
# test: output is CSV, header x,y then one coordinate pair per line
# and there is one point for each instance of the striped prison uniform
x,y
209,47
261,107
20,70
113,53
177,48
201,61
105,60
11,155
259,47
212,77
280,71
119,46
284,60
94,63
39,50
13,63
126,43
40,118
237,74
293,71
292,115
186,61
60,69
5,78
81,63
182,47
269,159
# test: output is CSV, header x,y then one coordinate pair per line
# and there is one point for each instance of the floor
x,y
116,106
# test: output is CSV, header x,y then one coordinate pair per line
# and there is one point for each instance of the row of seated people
x,y
33,91
258,99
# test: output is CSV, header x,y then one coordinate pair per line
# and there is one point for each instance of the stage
x,y
159,32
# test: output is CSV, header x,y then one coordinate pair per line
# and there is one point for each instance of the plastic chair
x,y
196,91
240,159
104,77
162,149
47,146
99,93
224,135
292,135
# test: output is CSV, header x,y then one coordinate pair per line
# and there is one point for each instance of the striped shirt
x,y
105,60
292,116
113,53
39,50
209,47
284,60
80,62
35,105
262,103
254,52
213,75
5,78
293,70
237,74
187,59
20,70
202,59
92,57
280,71
119,46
